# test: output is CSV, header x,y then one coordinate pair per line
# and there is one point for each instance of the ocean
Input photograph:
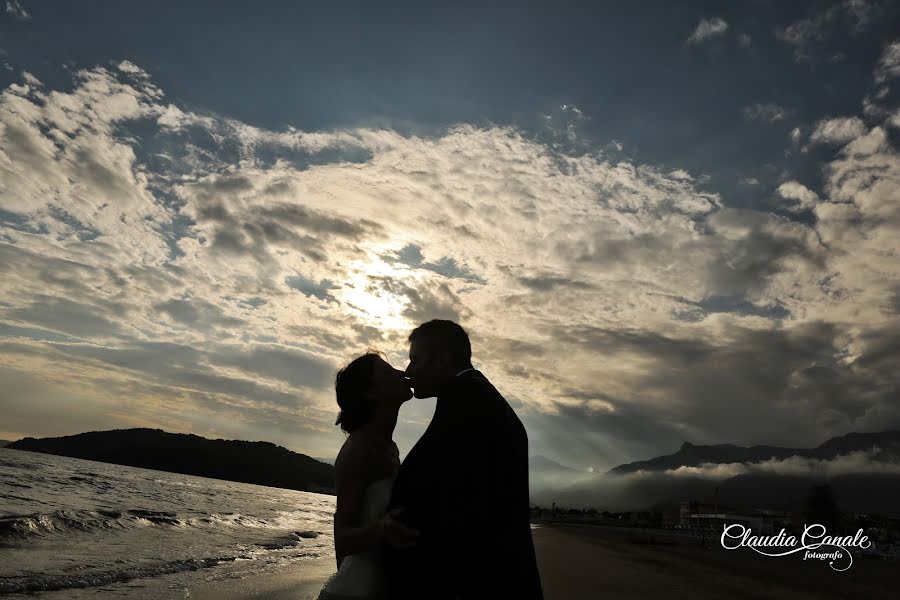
x,y
72,528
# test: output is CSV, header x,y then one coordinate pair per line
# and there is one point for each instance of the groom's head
x,y
438,350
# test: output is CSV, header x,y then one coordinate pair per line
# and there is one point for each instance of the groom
x,y
464,485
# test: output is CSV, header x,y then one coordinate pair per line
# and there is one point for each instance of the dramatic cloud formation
x,y
170,264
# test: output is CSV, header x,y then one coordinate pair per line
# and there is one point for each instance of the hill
x,y
690,455
869,485
262,463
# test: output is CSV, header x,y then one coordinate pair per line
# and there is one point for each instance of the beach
x,y
298,582
595,562
585,562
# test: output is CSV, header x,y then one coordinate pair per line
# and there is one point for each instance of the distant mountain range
x,y
621,488
887,442
4,443
654,482
262,463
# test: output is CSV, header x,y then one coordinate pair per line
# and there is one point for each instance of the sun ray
x,y
373,292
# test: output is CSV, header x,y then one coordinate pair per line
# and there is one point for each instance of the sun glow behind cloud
x,y
376,305
621,304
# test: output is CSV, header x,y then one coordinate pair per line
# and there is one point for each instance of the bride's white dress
x,y
362,575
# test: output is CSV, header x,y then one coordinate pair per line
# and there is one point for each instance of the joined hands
x,y
396,533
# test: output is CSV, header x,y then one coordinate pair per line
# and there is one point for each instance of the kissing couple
x,y
450,523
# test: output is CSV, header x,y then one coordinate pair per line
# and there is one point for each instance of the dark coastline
x,y
260,463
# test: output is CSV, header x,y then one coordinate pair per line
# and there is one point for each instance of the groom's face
x,y
427,370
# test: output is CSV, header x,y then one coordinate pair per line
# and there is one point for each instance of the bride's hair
x,y
350,385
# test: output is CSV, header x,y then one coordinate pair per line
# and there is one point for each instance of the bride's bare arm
x,y
351,478
351,473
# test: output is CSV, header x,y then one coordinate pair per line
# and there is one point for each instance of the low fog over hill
x,y
862,468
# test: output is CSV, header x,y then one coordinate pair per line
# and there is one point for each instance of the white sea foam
x,y
71,525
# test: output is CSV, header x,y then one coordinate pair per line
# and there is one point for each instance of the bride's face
x,y
389,384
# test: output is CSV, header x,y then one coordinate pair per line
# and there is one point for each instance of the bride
x,y
369,394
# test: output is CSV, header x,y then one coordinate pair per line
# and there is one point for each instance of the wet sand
x,y
298,582
608,562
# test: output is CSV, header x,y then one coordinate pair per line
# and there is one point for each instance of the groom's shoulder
x,y
473,382
475,392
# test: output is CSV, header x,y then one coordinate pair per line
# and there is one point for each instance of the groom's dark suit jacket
x,y
464,485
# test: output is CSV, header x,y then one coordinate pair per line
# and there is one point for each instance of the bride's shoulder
x,y
353,455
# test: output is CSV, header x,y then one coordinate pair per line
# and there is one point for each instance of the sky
x,y
659,222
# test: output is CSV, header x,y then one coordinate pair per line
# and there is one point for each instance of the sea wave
x,y
61,522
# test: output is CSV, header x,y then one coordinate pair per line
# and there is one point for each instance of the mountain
x,y
654,482
262,463
4,443
690,455
868,493
327,461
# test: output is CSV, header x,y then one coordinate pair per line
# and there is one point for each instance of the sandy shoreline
x,y
302,581
595,562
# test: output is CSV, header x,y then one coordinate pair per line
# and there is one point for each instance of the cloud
x,y
837,131
773,483
31,80
39,168
67,317
423,301
863,178
299,368
708,28
765,112
889,64
807,35
411,255
207,275
14,8
806,198
194,312
310,288
894,120
64,409
548,281
854,463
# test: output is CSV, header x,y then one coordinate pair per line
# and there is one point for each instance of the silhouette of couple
x,y
451,522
